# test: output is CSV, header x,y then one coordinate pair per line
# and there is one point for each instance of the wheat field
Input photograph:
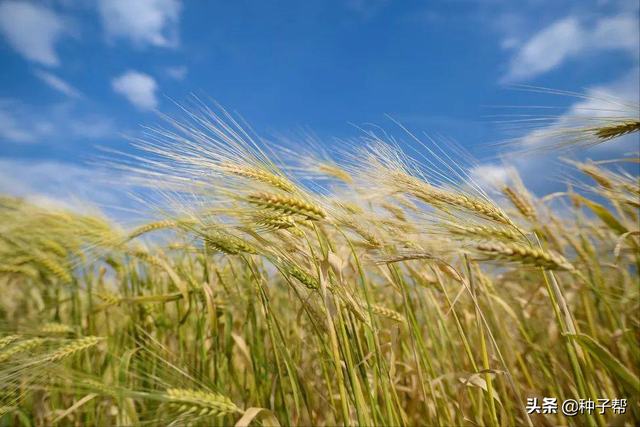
x,y
285,286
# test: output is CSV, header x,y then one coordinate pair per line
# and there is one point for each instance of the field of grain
x,y
286,287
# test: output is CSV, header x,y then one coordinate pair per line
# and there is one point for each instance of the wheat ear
x,y
54,247
16,269
523,254
8,340
619,129
429,194
152,226
55,328
72,348
204,403
384,311
228,244
483,231
520,202
305,278
403,256
273,220
54,267
288,205
261,176
20,347
109,298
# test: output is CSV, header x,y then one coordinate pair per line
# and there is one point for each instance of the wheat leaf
x,y
628,378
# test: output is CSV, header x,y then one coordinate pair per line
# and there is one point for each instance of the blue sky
x,y
78,74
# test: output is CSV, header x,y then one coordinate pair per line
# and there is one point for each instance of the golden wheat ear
x,y
523,254
200,403
616,130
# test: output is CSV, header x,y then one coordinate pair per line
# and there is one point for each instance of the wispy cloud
x,y
58,84
366,8
144,22
546,50
24,124
93,126
140,89
59,184
569,39
19,125
32,30
177,73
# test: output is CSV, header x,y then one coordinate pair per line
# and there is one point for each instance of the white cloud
x,y
546,50
58,84
568,39
140,89
491,176
32,30
144,22
618,32
178,73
